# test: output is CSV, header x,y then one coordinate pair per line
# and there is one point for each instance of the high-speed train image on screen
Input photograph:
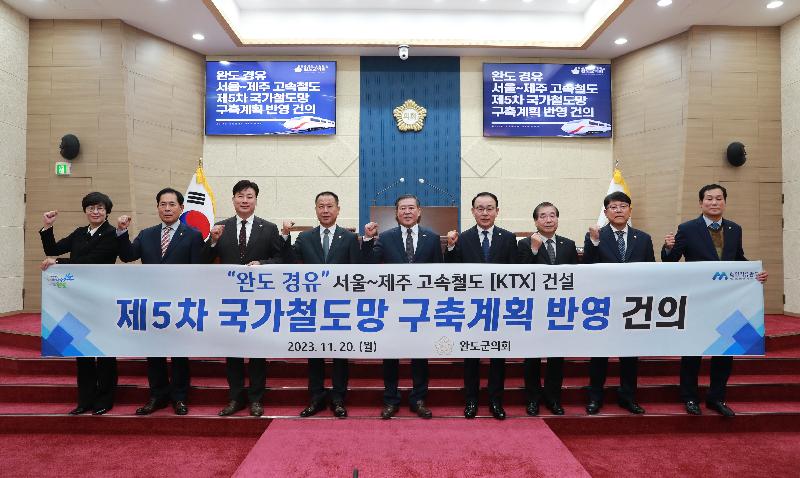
x,y
303,124
585,127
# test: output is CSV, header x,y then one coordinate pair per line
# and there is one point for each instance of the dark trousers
x,y
721,368
97,381
419,380
472,379
628,370
553,379
161,388
316,380
257,369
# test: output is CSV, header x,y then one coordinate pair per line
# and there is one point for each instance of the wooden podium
x,y
440,219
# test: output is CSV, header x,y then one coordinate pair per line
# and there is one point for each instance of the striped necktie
x,y
165,239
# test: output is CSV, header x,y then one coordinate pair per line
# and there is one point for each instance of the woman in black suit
x,y
92,244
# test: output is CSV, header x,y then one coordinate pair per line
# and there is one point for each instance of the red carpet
x,y
409,448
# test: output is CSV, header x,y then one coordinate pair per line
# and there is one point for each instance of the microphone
x,y
436,188
394,184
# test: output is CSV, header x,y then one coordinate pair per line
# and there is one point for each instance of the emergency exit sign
x,y
63,168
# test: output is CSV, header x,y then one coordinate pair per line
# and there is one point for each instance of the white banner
x,y
404,310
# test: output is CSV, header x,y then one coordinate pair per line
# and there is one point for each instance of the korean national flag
x,y
199,204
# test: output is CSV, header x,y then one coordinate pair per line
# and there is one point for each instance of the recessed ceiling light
x,y
199,36
621,41
775,4
664,3
225,62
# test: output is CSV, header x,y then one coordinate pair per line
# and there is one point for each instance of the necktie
x,y
551,251
715,229
621,244
714,226
409,245
165,239
242,240
326,243
485,245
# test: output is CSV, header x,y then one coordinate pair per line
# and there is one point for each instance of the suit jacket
x,y
639,247
100,248
265,245
390,248
566,253
468,248
693,242
184,248
343,249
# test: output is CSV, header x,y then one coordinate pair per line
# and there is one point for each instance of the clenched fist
x,y
123,222
536,241
216,232
371,230
49,218
669,240
594,233
452,238
286,228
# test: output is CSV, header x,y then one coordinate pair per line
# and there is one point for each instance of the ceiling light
x,y
527,1
775,4
621,41
664,3
199,36
224,62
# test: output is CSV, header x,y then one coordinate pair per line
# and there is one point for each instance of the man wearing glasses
x,y
616,242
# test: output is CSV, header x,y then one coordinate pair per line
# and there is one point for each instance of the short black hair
x,y
327,193
244,184
169,191
405,196
709,187
486,193
616,196
541,206
97,199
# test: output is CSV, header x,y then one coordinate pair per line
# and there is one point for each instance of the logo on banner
x,y
60,281
310,68
444,346
735,275
588,70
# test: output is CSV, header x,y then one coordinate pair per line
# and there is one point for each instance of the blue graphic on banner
x,y
739,336
546,100
270,97
66,338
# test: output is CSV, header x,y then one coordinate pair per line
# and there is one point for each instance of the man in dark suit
x,y
409,243
616,242
245,239
707,238
170,242
327,243
483,243
557,250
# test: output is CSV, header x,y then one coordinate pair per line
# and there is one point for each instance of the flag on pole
x,y
617,184
200,207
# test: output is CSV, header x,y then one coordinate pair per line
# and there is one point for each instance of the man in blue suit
x,y
327,243
409,243
170,242
483,243
707,238
616,242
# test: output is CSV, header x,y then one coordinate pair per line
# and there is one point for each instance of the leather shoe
x,y
721,407
256,409
338,410
312,409
79,410
470,410
593,407
554,407
532,408
693,408
100,411
232,407
152,405
388,411
497,411
421,410
180,407
631,406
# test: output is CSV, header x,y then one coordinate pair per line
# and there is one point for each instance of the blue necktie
x,y
485,246
714,226
326,243
621,244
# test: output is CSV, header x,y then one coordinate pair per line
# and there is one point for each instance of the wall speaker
x,y
736,154
70,146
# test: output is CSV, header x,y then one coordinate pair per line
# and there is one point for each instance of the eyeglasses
x,y
618,207
482,210
96,209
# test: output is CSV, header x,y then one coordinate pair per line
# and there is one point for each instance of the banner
x,y
403,310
